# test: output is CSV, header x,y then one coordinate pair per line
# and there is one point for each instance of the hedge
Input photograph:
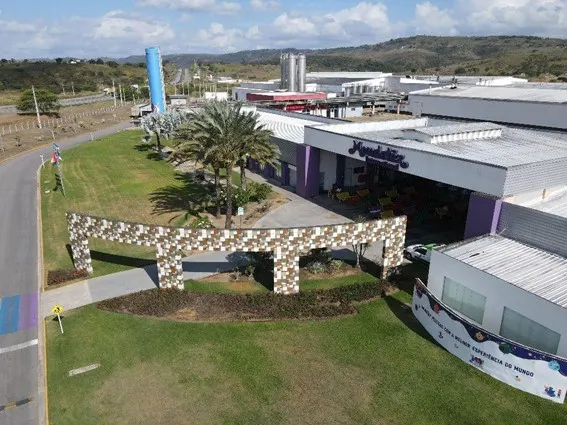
x,y
251,307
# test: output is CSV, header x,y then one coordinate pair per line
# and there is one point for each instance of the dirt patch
x,y
73,121
320,391
347,270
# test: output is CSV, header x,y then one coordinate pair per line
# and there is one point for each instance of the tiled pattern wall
x,y
287,244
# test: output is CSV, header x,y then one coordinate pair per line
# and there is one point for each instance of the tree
x,y
59,60
113,64
47,101
219,133
92,61
99,61
162,125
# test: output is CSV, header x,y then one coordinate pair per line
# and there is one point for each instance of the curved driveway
x,y
21,370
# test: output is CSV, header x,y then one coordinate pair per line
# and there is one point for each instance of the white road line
x,y
19,346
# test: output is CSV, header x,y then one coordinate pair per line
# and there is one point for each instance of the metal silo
x,y
301,72
283,65
292,72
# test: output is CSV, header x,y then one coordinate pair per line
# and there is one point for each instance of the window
x,y
525,331
358,170
464,300
421,251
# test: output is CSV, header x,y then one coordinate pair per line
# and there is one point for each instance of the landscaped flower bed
x,y
194,306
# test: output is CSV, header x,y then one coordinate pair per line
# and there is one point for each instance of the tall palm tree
x,y
259,148
219,134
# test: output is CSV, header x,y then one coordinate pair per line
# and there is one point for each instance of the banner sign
x,y
519,366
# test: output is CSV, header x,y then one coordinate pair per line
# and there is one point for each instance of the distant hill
x,y
508,55
85,76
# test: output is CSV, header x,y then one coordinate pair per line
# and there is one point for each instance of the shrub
x,y
55,277
335,266
240,197
212,306
259,191
201,223
316,267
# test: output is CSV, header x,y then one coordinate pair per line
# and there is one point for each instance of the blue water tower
x,y
155,79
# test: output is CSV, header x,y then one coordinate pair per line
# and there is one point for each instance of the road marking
x,y
84,369
19,346
15,404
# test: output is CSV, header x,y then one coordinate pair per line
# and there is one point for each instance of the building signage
x,y
521,367
383,157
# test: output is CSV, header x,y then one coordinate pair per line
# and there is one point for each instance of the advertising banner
x,y
519,366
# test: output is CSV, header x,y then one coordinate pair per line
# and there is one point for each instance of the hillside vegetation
x,y
84,77
507,55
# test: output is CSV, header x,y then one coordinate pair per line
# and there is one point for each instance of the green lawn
x,y
119,178
367,369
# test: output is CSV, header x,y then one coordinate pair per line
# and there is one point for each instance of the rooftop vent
x,y
454,133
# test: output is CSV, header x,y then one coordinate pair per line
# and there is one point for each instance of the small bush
x,y
316,267
240,198
335,265
259,191
201,223
55,277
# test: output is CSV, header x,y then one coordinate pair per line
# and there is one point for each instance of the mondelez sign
x,y
383,157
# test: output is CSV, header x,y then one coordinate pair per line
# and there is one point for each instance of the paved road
x,y
20,369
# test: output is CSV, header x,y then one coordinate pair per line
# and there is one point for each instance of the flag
x,y
54,159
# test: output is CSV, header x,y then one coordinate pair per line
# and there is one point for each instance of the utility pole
x,y
114,92
73,88
120,93
36,107
63,87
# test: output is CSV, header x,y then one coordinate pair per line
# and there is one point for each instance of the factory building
x,y
541,106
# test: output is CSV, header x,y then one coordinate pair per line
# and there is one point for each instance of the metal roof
x,y
286,127
556,205
514,148
458,128
533,270
518,93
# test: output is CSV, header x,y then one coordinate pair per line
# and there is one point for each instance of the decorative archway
x,y
287,244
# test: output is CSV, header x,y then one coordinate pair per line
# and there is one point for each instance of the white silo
x,y
283,71
291,72
301,72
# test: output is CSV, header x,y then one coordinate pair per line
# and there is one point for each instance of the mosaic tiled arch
x,y
287,244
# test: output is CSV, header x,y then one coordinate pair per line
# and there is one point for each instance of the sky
x,y
119,28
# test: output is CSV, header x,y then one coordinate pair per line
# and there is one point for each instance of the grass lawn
x,y
373,368
245,286
115,177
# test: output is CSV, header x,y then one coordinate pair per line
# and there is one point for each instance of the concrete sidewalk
x,y
115,285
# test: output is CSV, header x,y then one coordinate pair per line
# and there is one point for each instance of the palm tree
x,y
259,148
221,133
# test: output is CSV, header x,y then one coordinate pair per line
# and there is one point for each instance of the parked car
x,y
420,252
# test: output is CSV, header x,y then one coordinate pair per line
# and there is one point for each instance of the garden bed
x,y
201,306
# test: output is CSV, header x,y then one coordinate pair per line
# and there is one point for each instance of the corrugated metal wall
x,y
288,150
527,178
533,227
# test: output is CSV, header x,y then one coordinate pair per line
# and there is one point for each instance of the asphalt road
x,y
20,350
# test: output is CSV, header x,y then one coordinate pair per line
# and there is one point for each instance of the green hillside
x,y
85,77
509,55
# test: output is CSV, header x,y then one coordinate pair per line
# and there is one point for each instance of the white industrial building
x,y
533,105
513,280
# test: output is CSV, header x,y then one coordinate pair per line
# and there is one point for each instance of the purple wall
x,y
307,171
483,215
269,171
285,173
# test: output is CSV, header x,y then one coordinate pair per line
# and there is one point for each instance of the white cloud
x,y
209,6
533,17
431,20
16,27
264,4
180,4
113,34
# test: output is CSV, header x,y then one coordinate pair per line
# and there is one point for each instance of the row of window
x,y
514,326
